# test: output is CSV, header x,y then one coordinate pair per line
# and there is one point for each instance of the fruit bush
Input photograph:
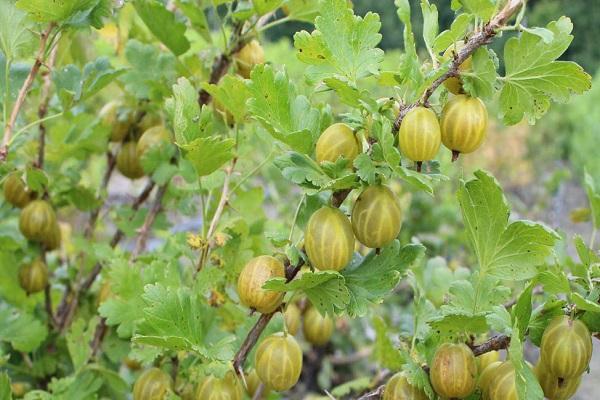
x,y
306,194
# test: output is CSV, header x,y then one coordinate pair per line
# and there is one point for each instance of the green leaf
x,y
357,385
36,179
153,71
74,13
178,319
479,82
163,24
303,10
457,32
208,154
522,311
500,320
369,171
97,75
342,44
541,317
585,304
266,6
410,66
417,377
79,339
196,16
483,9
527,385
593,197
288,117
347,92
503,250
83,198
430,24
554,281
533,77
23,331
232,93
5,392
188,122
377,274
15,36
325,289
384,351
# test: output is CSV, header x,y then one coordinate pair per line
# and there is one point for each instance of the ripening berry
x,y
226,388
128,162
486,359
329,240
453,371
486,377
555,388
156,136
420,136
292,318
38,221
453,84
503,386
376,216
337,141
566,347
152,384
317,328
254,275
253,382
250,55
33,277
118,119
398,388
464,124
278,361
16,191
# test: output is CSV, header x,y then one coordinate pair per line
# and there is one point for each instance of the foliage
x,y
146,270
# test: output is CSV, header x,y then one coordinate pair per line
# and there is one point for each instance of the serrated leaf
x,y
410,65
21,330
14,30
541,317
533,77
189,123
503,250
232,93
303,10
384,351
153,71
479,82
208,154
585,304
301,170
342,44
178,320
483,9
554,281
457,32
78,338
369,171
36,179
196,16
325,289
430,24
499,320
288,117
163,24
417,377
56,11
377,274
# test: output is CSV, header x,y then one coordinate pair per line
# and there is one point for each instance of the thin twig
x,y
43,107
39,59
478,39
99,334
67,308
260,390
144,231
218,213
111,162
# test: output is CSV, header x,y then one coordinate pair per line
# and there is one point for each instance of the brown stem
x,y
43,107
39,59
221,64
140,243
258,395
99,335
337,198
68,308
374,394
478,39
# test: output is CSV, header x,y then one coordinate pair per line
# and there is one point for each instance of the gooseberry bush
x,y
299,191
